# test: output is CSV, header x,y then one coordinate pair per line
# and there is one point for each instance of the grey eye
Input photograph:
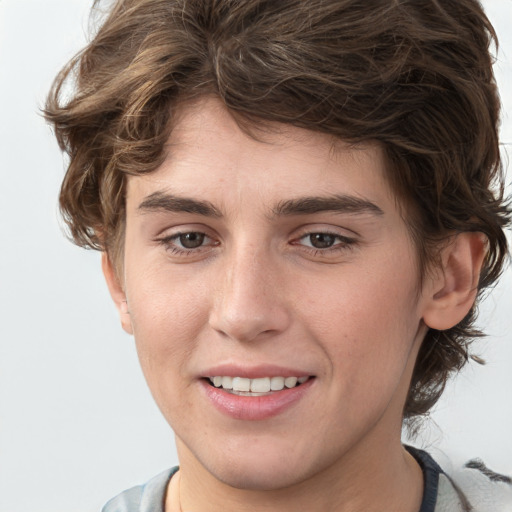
x,y
191,240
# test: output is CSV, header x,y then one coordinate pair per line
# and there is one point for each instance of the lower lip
x,y
257,407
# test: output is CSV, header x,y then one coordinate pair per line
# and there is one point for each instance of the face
x,y
281,268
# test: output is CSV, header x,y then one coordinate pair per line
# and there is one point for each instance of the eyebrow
x,y
336,203
161,201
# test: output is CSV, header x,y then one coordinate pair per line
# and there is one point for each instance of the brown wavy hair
x,y
414,75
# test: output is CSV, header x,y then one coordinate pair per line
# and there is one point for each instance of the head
x,y
413,79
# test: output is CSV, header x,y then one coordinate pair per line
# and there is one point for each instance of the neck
x,y
368,479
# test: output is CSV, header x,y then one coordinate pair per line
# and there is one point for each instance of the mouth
x,y
263,386
247,394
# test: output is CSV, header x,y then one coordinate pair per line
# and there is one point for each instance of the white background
x,y
77,423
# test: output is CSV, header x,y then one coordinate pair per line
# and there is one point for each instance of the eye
x,y
321,241
187,243
190,240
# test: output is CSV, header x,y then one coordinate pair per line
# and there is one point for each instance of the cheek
x,y
367,324
167,316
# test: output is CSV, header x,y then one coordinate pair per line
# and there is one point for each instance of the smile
x,y
261,398
255,387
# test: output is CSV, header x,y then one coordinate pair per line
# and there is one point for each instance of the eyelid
x,y
178,234
334,235
343,244
170,230
169,240
341,231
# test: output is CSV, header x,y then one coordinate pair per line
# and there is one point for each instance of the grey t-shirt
x,y
440,493
149,497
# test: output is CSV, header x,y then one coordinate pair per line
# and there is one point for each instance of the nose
x,y
250,301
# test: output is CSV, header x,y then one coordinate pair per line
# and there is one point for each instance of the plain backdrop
x,y
77,423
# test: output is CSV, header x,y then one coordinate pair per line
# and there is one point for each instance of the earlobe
x,y
116,292
454,288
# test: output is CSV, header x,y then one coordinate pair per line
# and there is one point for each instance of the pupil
x,y
322,240
192,240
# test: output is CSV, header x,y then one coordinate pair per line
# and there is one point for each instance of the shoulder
x,y
485,490
143,498
470,487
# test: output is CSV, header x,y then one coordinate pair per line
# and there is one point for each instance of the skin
x,y
256,291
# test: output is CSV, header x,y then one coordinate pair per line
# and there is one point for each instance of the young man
x,y
298,204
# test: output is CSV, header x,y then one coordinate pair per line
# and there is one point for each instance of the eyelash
x,y
169,242
341,243
344,243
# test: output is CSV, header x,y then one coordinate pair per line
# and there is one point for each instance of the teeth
x,y
261,385
227,382
276,383
241,384
290,382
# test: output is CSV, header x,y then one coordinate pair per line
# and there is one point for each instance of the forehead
x,y
209,155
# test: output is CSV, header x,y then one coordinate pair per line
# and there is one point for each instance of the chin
x,y
256,467
259,477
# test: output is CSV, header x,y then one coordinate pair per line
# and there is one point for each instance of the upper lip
x,y
254,372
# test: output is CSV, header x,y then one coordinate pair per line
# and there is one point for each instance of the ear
x,y
453,290
116,292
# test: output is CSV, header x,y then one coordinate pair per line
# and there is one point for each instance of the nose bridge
x,y
249,301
